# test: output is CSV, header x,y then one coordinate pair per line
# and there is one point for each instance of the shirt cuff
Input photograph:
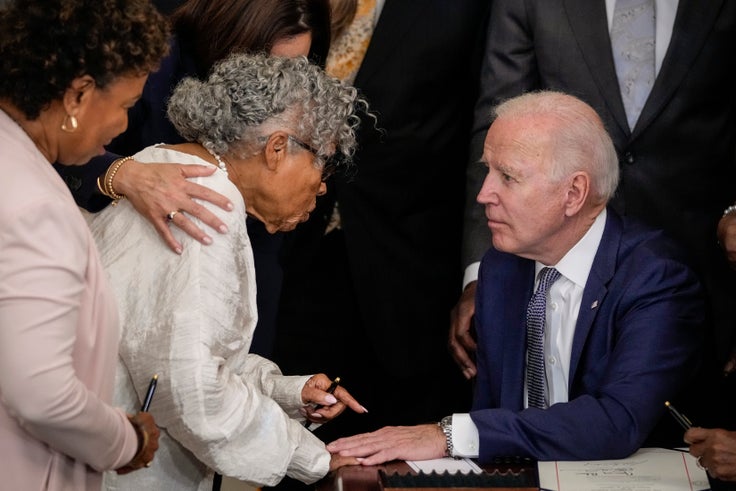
x,y
287,392
465,439
471,273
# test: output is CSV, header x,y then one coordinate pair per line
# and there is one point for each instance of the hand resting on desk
x,y
421,442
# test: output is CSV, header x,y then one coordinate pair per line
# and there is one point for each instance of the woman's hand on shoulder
x,y
163,195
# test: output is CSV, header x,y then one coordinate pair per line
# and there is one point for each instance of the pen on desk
x,y
149,393
679,417
330,390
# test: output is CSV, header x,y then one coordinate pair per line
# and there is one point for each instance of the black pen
x,y
149,393
330,390
679,417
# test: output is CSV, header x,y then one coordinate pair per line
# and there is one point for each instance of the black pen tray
x,y
522,479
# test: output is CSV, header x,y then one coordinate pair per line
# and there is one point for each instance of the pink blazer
x,y
58,333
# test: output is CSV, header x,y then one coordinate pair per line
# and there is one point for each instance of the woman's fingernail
x,y
330,399
223,229
207,240
229,206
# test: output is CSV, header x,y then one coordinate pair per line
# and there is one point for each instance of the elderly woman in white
x,y
269,124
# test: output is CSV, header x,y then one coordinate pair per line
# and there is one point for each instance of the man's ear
x,y
276,149
578,189
78,94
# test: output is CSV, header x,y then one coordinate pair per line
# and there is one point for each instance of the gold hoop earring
x,y
72,126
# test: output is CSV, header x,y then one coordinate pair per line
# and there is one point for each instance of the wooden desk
x,y
363,478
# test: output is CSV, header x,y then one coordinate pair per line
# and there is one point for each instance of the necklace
x,y
220,161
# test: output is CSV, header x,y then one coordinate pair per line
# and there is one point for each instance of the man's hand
x,y
422,442
157,190
461,341
715,450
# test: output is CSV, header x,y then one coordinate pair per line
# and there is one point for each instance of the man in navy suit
x,y
676,162
622,323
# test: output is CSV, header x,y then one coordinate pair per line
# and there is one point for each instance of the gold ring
x,y
170,215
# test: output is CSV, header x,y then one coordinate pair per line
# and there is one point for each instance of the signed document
x,y
649,469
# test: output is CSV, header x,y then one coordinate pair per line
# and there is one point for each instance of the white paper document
x,y
649,469
446,464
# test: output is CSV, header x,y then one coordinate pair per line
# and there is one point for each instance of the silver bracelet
x,y
728,210
446,426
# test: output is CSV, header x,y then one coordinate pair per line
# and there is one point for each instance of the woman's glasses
x,y
327,163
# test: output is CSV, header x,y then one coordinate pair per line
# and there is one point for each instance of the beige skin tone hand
x,y
422,442
156,190
716,449
461,343
315,392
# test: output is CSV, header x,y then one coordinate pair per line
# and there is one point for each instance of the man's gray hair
x,y
579,140
248,96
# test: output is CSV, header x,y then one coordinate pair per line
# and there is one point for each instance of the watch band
x,y
446,427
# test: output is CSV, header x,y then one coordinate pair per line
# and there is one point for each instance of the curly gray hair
x,y
247,96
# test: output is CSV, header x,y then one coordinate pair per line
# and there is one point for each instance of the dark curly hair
x,y
45,44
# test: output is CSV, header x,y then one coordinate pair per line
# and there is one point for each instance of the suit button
x,y
629,158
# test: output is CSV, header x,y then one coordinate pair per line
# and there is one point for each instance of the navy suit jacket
x,y
636,342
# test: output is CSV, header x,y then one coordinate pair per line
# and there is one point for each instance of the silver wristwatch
x,y
446,427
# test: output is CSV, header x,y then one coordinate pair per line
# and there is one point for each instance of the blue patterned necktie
x,y
536,315
632,41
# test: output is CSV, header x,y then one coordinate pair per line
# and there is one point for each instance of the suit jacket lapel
x,y
589,24
397,16
693,23
516,299
601,272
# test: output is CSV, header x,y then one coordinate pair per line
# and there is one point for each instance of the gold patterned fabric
x,y
347,51
344,59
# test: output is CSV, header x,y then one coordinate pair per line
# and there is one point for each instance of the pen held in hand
x,y
679,417
330,390
149,393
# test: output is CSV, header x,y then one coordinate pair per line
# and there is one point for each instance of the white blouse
x,y
190,319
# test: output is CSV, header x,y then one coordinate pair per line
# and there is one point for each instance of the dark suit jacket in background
x,y
636,343
388,285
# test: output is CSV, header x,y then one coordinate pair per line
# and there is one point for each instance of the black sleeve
x,y
82,181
